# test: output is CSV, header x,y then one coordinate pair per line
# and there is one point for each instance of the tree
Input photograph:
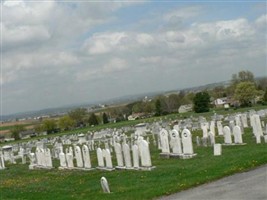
x,y
79,116
93,120
262,83
173,102
158,108
218,92
38,128
49,125
105,118
66,123
265,96
245,93
201,102
16,131
242,76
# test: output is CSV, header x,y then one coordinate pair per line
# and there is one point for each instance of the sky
x,y
56,53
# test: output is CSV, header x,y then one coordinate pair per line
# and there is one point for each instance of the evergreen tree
x,y
105,118
158,108
93,120
201,102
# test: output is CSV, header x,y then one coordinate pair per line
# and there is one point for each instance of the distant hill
x,y
113,101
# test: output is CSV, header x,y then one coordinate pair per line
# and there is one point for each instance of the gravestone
x,y
100,158
220,128
108,160
227,135
119,156
78,156
135,156
69,159
2,161
198,141
187,144
164,139
237,135
48,158
104,185
127,156
244,120
33,160
211,138
212,127
175,143
204,127
217,149
144,154
86,157
62,160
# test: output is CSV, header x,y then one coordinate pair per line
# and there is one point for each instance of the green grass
x,y
170,175
2,128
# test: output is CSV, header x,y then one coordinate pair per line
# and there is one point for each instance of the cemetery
x,y
158,157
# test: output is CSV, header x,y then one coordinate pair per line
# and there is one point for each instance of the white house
x,y
220,101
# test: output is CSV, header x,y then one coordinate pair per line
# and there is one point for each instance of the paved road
x,y
250,185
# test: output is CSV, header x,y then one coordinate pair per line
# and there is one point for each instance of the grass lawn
x,y
170,175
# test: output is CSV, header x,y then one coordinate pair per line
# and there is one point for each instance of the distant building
x,y
185,108
220,102
27,134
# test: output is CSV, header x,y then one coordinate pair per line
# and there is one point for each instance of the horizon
x,y
60,53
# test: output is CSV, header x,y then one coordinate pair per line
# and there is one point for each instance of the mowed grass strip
x,y
170,175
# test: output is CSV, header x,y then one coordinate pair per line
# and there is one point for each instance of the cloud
x,y
105,42
60,53
183,13
115,65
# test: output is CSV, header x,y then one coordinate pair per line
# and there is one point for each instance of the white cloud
x,y
261,22
183,13
105,42
144,39
115,65
22,35
84,51
226,30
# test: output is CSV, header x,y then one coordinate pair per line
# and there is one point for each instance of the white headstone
x,y
217,149
227,135
86,157
33,160
69,159
244,120
175,142
164,141
62,160
212,127
104,185
108,159
78,155
100,158
135,156
220,128
144,153
48,158
187,142
237,135
118,152
2,161
204,127
212,138
127,155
